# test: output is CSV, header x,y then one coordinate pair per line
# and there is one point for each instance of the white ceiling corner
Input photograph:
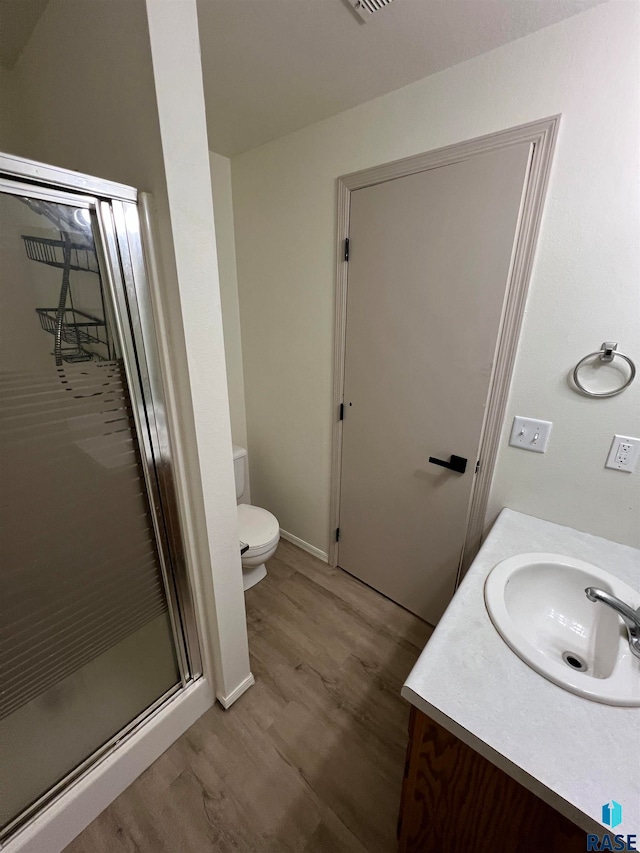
x,y
18,19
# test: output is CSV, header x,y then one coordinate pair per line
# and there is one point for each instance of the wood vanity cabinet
x,y
454,800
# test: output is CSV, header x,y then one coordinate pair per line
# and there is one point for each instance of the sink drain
x,y
574,661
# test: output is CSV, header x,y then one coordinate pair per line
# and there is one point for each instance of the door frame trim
x,y
542,136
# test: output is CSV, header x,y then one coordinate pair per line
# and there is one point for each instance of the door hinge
x,y
477,466
341,411
337,534
346,249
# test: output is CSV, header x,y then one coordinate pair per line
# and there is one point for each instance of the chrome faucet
x,y
629,616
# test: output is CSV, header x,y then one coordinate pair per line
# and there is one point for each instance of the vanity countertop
x,y
573,753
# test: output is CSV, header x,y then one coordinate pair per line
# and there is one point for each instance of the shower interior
x,y
79,335
93,627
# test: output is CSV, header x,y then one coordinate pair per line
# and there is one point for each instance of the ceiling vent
x,y
367,8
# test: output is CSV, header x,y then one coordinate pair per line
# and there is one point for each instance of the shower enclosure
x,y
96,612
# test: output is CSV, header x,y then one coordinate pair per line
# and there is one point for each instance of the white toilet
x,y
257,528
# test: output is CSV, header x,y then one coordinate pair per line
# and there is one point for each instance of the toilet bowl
x,y
257,528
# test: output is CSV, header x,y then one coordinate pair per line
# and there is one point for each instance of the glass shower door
x,y
91,627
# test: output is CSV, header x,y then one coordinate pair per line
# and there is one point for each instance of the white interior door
x,y
428,270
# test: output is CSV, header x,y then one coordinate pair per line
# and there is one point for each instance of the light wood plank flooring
x,y
309,759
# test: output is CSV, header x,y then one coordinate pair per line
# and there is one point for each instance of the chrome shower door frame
x,y
119,228
121,262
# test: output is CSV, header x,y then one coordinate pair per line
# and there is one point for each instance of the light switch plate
x,y
530,434
623,454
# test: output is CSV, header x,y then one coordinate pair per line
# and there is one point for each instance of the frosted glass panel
x,y
86,638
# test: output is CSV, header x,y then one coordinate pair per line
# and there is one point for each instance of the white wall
x,y
226,248
9,119
584,288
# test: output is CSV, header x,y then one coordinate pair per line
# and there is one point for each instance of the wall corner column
x,y
175,51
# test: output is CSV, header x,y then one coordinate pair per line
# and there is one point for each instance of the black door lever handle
x,y
455,463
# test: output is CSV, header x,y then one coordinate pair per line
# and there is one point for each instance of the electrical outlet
x,y
623,453
530,434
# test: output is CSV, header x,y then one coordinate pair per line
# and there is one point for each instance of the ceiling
x,y
17,21
273,66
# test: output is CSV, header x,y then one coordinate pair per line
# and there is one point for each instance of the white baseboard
x,y
310,549
74,810
236,693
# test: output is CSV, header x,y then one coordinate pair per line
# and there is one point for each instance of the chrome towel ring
x,y
607,352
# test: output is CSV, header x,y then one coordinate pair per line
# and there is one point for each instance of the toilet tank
x,y
239,468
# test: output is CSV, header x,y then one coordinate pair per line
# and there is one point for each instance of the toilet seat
x,y
257,528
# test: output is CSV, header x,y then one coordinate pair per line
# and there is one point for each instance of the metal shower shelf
x,y
46,250
78,328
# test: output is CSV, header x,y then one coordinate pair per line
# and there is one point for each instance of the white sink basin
x,y
538,606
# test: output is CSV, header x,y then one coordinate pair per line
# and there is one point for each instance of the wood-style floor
x,y
311,758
